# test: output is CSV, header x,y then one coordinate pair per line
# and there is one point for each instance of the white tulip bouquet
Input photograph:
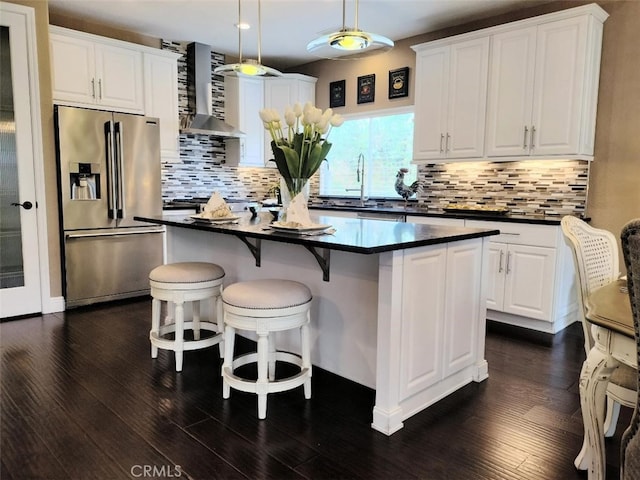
x,y
299,153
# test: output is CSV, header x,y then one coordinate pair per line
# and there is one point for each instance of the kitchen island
x,y
397,307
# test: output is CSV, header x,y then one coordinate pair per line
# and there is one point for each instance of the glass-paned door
x,y
19,259
11,264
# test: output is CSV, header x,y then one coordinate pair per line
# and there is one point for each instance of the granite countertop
x,y
355,235
410,209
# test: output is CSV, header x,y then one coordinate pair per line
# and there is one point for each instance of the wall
x,y
614,187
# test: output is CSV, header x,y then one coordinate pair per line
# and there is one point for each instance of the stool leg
x,y
272,357
171,313
306,357
229,339
155,324
179,338
196,319
262,384
220,322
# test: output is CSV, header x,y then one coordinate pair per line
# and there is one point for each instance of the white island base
x,y
408,323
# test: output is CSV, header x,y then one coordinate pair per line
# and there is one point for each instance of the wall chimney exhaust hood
x,y
199,95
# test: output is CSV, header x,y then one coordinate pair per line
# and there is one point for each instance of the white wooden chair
x,y
595,254
177,283
265,307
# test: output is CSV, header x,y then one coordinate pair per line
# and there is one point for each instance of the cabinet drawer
x,y
447,222
518,233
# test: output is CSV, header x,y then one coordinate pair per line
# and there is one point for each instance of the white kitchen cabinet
x,y
543,88
450,99
521,280
439,342
530,94
531,276
244,98
95,72
332,213
161,99
285,91
444,221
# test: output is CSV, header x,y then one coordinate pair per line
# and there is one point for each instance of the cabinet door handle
x,y
508,270
100,89
533,137
441,140
524,140
447,142
93,88
500,261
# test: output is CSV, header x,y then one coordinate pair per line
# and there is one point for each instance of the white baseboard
x,y
53,305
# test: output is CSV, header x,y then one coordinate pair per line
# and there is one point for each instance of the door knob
x,y
25,205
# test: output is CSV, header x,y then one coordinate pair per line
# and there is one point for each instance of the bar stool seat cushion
x,y
186,273
266,294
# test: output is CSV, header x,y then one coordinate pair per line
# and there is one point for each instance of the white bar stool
x,y
265,306
177,283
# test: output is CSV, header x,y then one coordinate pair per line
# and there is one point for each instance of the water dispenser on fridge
x,y
84,181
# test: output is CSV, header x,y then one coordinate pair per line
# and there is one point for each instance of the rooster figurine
x,y
403,190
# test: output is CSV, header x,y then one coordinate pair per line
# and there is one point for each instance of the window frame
x,y
366,115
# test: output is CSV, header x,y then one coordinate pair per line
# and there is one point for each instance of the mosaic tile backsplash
x,y
555,187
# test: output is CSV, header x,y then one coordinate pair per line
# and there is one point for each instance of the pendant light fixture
x,y
248,66
349,43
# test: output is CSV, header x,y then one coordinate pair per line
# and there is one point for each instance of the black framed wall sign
x,y
399,82
366,88
337,94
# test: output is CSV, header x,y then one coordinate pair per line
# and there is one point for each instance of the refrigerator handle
x,y
111,176
119,170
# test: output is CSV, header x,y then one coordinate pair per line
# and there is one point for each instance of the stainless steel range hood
x,y
199,94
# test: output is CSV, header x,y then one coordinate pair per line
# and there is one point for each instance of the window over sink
x,y
385,140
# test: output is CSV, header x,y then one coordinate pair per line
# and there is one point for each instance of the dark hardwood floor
x,y
82,399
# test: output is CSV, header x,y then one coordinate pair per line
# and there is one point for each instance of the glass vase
x,y
288,190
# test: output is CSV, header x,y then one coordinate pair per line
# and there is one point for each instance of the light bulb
x,y
350,40
250,67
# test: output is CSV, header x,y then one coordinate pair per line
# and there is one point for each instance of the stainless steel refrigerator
x,y
109,171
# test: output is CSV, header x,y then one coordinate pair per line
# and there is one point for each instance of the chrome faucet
x,y
360,178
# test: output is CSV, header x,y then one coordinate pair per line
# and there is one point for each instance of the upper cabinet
x,y
285,91
541,97
450,100
543,91
245,97
86,72
96,72
161,99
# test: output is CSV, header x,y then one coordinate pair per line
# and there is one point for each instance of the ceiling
x,y
287,25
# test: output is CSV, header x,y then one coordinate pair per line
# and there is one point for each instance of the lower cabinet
x,y
333,213
447,222
521,280
439,332
531,280
531,277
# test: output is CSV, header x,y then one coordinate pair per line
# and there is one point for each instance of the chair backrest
x,y
595,254
630,443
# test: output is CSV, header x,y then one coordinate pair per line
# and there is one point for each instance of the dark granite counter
x,y
412,208
355,235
